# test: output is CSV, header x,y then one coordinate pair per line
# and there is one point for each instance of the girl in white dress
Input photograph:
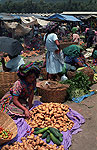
x,y
54,56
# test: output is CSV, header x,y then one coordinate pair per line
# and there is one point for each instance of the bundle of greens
x,y
79,85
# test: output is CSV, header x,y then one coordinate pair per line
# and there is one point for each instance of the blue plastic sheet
x,y
79,99
63,17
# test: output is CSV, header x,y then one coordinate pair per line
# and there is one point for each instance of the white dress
x,y
54,62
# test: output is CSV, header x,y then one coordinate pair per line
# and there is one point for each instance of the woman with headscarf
x,y
54,56
14,102
74,57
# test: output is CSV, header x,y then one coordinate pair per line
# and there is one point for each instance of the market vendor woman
x,y
14,102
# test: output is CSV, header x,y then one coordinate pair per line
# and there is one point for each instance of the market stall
x,y
64,18
27,127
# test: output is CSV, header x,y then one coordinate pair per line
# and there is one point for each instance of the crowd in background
x,y
57,61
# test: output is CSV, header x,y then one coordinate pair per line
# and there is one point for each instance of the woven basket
x,y
86,70
7,79
7,123
89,72
55,94
66,44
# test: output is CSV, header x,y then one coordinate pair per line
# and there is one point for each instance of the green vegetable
x,y
77,93
55,132
36,129
60,139
79,85
40,131
48,138
6,133
45,134
54,139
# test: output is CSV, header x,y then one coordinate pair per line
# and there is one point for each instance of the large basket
x,y
89,72
6,81
7,123
55,94
86,70
66,44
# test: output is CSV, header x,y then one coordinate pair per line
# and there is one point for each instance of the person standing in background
x,y
76,37
54,56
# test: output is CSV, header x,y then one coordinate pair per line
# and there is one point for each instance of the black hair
x,y
51,31
31,71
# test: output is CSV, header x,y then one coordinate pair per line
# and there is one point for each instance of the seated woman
x,y
14,102
77,61
13,64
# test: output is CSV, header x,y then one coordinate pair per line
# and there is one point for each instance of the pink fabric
x,y
76,37
23,89
86,30
96,32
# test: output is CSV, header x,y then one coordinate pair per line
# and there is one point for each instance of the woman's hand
x,y
27,113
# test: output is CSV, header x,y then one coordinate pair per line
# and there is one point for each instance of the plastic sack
x,y
63,78
79,99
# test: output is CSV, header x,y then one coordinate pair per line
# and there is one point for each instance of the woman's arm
x,y
17,103
58,45
31,99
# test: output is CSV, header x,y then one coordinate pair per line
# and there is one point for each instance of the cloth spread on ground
x,y
77,118
79,99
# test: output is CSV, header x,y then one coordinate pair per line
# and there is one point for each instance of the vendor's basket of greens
x,y
79,85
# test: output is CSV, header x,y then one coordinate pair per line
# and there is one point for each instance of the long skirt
x,y
7,105
53,65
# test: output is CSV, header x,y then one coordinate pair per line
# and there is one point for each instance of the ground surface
x,y
87,138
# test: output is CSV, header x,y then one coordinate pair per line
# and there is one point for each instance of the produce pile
x,y
5,134
50,134
50,115
28,53
32,143
79,85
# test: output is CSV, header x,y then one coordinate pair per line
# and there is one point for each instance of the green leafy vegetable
x,y
79,85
